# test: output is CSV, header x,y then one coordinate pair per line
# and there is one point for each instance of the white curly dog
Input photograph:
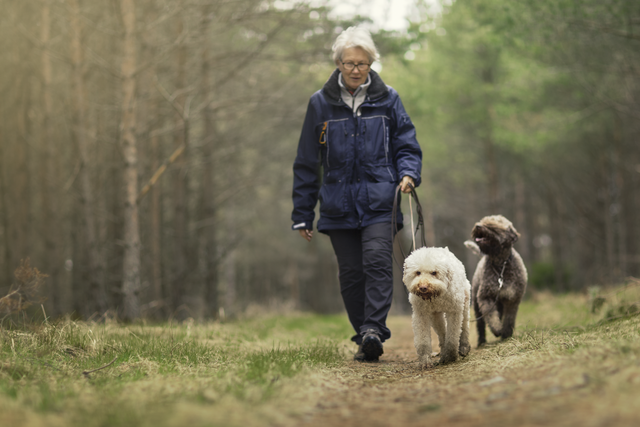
x,y
439,294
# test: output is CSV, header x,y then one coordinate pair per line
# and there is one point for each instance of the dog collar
x,y
501,274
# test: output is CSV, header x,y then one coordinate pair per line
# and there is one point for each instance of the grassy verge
x,y
45,370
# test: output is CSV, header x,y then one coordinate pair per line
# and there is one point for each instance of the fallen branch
x,y
86,373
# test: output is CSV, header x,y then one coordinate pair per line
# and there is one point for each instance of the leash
x,y
413,236
394,221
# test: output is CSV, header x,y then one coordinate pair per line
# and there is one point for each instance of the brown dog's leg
x,y
490,315
480,324
509,320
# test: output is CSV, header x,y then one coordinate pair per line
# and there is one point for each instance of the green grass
x,y
157,367
266,370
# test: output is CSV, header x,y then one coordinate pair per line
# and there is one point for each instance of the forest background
x,y
146,146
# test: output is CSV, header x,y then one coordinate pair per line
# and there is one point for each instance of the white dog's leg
x,y
422,337
449,352
465,346
440,326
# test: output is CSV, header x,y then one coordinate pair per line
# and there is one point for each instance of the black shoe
x,y
359,356
371,346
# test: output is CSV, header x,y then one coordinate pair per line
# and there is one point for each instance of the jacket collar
x,y
377,88
362,89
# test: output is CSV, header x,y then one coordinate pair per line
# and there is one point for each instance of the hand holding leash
x,y
407,185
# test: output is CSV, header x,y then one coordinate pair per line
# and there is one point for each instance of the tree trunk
x,y
556,214
7,275
618,208
156,219
20,183
180,183
131,259
521,221
208,211
52,260
427,211
94,277
230,293
491,165
488,57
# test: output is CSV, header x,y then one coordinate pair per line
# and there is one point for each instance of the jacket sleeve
x,y
306,181
407,151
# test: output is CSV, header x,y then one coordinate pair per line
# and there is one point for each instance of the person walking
x,y
358,135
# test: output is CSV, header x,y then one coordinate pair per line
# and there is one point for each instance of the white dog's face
x,y
426,272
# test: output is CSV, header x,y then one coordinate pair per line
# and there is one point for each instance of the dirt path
x,y
395,391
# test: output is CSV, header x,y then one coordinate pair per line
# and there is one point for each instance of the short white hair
x,y
355,37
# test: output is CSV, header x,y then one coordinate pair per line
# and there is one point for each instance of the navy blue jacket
x,y
361,158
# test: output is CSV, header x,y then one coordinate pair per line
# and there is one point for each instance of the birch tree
x,y
94,274
131,258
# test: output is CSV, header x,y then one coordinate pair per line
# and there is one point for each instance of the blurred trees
x,y
145,152
146,147
530,109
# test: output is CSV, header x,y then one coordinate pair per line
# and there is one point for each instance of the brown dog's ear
x,y
511,236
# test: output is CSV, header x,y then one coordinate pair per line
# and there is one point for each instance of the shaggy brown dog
x,y
500,280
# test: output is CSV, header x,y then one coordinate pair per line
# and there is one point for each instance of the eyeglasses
x,y
350,66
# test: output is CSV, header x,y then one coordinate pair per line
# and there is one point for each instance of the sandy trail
x,y
396,391
392,391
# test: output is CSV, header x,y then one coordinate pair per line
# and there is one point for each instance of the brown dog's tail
x,y
473,246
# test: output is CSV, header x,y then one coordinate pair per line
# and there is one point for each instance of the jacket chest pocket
x,y
335,138
375,131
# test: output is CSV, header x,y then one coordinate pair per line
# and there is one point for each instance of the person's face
x,y
355,77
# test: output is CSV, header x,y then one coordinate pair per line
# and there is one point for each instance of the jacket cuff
x,y
302,226
416,179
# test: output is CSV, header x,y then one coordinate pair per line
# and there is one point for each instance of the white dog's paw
x,y
425,361
448,356
426,365
464,349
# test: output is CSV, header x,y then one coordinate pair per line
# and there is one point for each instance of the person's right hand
x,y
407,184
306,234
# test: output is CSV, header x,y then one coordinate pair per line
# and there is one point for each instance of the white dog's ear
x,y
448,273
405,272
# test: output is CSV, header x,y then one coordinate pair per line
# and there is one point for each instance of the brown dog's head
x,y
493,234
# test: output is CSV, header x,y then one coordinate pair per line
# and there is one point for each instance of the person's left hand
x,y
404,184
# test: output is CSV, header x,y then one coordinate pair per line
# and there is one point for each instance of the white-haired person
x,y
357,132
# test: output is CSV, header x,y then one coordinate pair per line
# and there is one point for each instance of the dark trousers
x,y
366,276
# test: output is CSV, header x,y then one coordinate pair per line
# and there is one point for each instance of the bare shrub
x,y
24,292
